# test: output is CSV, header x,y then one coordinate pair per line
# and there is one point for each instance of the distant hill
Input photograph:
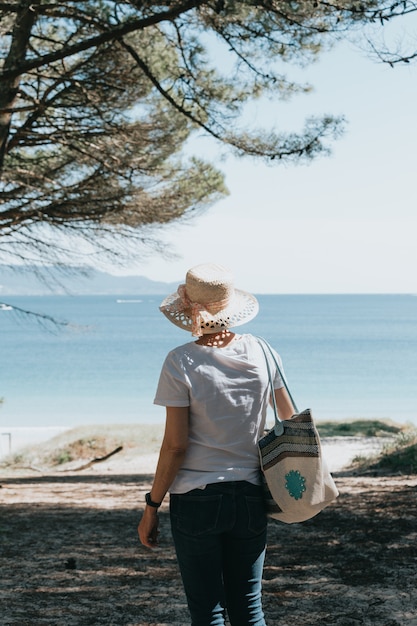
x,y
27,282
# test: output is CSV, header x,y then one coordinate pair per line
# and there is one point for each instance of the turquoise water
x,y
344,356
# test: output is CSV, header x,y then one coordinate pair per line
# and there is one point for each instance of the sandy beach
x,y
70,553
142,455
338,451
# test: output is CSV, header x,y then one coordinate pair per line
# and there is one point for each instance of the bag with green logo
x,y
298,484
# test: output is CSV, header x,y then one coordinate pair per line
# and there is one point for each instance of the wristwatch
x,y
150,502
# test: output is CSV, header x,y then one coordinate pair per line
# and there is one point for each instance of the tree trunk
x,y
25,18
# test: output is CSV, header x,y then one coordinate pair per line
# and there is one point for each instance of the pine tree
x,y
98,100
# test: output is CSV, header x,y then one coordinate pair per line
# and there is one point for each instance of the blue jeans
x,y
220,539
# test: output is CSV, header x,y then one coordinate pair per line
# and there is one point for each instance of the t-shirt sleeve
x,y
173,386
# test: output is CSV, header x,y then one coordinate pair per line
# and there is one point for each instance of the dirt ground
x,y
70,556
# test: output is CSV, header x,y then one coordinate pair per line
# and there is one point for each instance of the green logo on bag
x,y
296,484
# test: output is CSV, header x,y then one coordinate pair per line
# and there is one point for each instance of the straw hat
x,y
208,301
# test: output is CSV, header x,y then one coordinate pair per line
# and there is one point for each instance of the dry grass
x,y
399,456
88,442
361,428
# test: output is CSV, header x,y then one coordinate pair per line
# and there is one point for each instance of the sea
x,y
345,356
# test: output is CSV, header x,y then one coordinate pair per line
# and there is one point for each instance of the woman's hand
x,y
148,528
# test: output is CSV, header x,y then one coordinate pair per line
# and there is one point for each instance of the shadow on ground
x,y
70,555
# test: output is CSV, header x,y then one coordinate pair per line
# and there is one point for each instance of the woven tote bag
x,y
297,482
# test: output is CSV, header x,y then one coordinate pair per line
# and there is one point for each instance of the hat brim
x,y
241,308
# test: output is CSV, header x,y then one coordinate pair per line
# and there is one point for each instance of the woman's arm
x,y
172,453
284,405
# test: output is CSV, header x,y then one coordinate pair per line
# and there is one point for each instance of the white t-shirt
x,y
227,390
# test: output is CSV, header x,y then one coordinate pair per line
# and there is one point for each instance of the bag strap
x,y
266,349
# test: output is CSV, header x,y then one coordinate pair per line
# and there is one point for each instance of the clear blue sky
x,y
343,224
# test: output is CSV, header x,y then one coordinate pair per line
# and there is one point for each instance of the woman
x,y
216,391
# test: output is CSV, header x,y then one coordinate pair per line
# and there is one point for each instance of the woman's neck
x,y
216,340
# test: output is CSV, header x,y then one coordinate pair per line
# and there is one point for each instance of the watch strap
x,y
150,502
